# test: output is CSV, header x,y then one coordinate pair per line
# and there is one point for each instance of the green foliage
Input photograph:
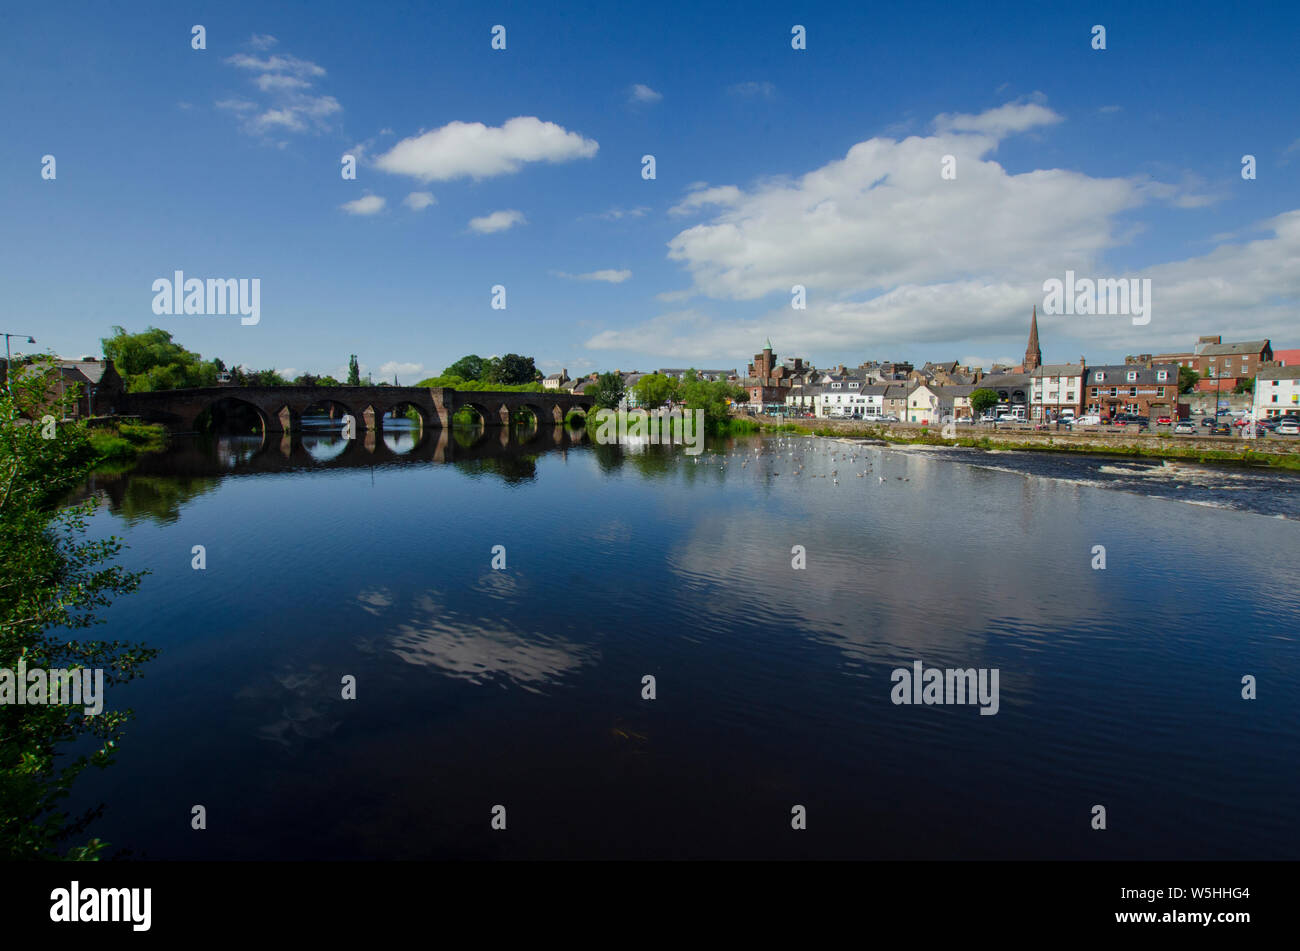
x,y
983,399
1187,379
151,361
655,389
354,371
53,580
1244,385
606,390
471,367
127,440
512,370
714,397
476,386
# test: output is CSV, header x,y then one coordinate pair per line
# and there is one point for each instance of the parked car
x,y
1289,427
1220,429
1184,428
1207,421
1087,419
1254,431
1164,421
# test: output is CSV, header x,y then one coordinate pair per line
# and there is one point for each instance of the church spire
x,y
1033,355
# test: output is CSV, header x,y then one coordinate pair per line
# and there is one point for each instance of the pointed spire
x,y
1033,354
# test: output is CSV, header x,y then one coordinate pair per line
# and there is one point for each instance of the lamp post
x,y
9,363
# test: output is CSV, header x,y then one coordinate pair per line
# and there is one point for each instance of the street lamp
x,y
9,362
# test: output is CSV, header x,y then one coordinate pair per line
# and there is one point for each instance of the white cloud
x,y
497,221
276,64
616,214
473,150
367,205
287,372
418,201
724,195
288,102
394,367
890,254
643,93
608,275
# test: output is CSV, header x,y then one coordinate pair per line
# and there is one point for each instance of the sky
x,y
523,167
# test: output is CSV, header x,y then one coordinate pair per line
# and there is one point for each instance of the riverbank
x,y
1277,452
118,443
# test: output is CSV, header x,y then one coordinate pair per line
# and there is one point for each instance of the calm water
x,y
522,687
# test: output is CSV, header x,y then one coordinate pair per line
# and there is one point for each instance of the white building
x,y
1277,391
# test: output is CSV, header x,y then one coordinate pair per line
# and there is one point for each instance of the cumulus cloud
x,y
607,275
497,221
643,93
288,101
474,150
418,201
397,368
367,205
891,252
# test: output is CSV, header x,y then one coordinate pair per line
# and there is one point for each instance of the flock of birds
x,y
797,451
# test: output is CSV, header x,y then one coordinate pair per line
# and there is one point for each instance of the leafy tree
x,y
712,396
151,360
354,371
512,369
655,389
327,380
1244,385
606,390
53,582
306,379
1187,379
470,367
981,400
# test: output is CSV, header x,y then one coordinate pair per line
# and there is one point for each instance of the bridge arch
x,y
233,414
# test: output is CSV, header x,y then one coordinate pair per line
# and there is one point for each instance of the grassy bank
x,y
123,442
1235,456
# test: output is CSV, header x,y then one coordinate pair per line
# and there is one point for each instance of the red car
x,y
1164,421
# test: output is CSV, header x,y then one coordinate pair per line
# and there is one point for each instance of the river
x,y
523,687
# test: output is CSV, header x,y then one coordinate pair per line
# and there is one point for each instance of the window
x,y
1162,375
1099,376
1069,397
1132,391
1160,391
1132,376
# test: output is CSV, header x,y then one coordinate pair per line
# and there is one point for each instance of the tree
x,y
512,369
655,389
1244,385
53,582
606,390
354,371
471,367
982,399
712,396
1187,379
151,360
306,379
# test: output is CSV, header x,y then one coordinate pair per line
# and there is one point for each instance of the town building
x,y
710,375
1277,391
1221,365
1054,388
1132,388
555,381
769,382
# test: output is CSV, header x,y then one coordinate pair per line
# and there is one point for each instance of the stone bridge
x,y
280,408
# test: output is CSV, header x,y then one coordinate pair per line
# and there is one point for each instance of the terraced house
x,y
1147,390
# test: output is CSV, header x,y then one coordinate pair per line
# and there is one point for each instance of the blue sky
x,y
774,167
